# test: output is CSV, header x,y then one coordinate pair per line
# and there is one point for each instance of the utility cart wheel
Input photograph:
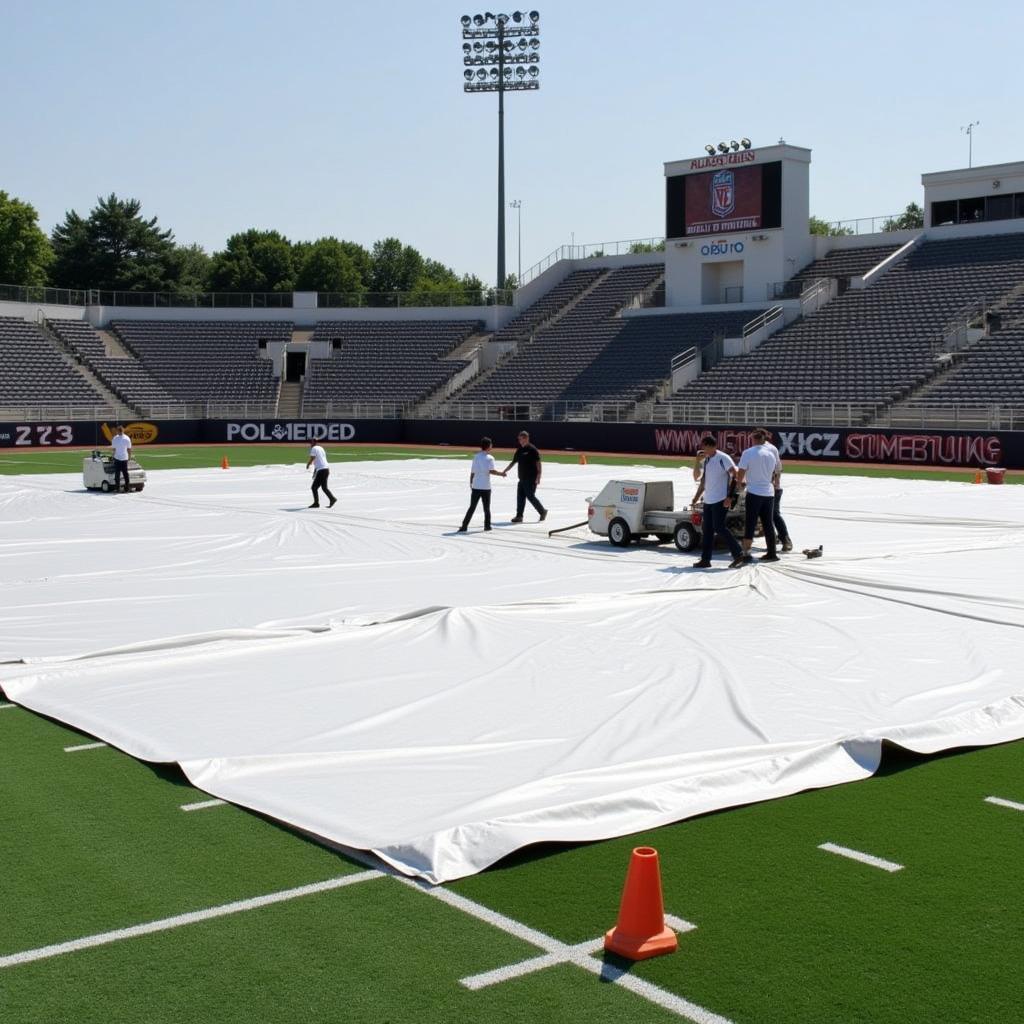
x,y
138,487
105,487
619,533
686,537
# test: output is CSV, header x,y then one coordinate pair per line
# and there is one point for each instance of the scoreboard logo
x,y
723,193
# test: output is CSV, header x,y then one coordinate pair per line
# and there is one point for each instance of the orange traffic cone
x,y
640,931
224,462
583,459
979,477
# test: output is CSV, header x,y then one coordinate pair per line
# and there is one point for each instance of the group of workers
x,y
526,458
760,471
720,478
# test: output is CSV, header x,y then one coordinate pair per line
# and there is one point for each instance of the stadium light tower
x,y
501,53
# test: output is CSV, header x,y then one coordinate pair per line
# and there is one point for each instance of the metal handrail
x,y
769,316
956,326
875,225
588,251
416,299
253,300
812,292
42,295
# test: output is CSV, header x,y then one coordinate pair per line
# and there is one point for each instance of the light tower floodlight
x,y
710,150
723,147
501,45
734,145
746,143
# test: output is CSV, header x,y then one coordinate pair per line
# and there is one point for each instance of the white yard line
x,y
1000,802
203,804
180,920
84,746
554,950
537,963
570,954
4,707
864,858
679,924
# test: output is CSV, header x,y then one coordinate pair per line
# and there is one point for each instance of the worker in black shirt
x,y
528,459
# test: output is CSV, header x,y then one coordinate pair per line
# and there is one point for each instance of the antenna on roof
x,y
968,130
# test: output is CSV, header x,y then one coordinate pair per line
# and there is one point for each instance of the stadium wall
x,y
938,448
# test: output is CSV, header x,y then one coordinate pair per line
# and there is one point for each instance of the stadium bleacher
x,y
206,360
637,358
549,305
841,264
544,368
33,371
399,361
991,370
874,345
126,378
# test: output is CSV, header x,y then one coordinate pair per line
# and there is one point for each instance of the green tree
x,y
254,261
640,247
114,248
25,253
911,217
823,227
194,268
395,267
473,289
326,266
361,260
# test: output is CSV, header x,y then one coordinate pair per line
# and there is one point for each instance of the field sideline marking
x,y
4,707
203,804
570,954
864,858
1000,802
84,746
180,920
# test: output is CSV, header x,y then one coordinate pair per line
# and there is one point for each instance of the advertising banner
x,y
952,448
962,449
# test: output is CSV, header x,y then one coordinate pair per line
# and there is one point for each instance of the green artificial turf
x,y
94,840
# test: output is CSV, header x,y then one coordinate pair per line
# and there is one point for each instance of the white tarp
x,y
368,675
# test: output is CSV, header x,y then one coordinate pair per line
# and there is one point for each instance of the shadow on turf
x,y
895,759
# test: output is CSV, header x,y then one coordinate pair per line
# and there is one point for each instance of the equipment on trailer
x,y
98,473
628,510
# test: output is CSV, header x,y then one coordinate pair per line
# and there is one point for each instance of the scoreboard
x,y
730,196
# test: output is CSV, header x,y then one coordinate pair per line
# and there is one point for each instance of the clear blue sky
x,y
349,119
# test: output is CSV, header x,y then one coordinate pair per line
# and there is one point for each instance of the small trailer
x,y
98,473
628,510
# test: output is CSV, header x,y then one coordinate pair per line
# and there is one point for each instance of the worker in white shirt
x,y
758,468
781,530
122,445
716,471
321,471
480,484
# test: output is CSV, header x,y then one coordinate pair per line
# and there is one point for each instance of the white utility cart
x,y
98,473
627,510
